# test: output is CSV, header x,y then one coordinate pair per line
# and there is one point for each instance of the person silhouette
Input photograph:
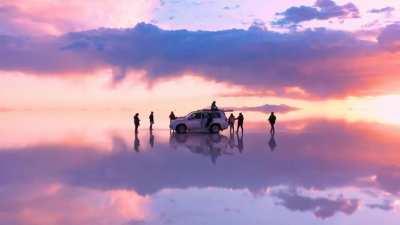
x,y
171,118
240,120
231,121
272,143
151,119
214,106
209,120
136,142
136,121
151,139
272,120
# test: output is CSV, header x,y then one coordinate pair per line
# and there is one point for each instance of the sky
x,y
180,55
309,60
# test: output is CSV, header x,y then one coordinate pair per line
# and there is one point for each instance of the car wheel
x,y
180,129
215,128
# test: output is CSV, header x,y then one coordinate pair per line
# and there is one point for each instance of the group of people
x,y
240,119
136,121
231,120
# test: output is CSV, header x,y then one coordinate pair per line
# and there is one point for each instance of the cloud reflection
x,y
52,203
321,207
324,155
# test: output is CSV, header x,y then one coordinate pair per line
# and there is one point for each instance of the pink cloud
x,y
31,17
311,63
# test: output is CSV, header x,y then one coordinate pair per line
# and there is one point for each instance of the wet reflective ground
x,y
310,172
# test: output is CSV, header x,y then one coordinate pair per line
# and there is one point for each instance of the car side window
x,y
195,116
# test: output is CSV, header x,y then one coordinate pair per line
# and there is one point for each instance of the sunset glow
x,y
67,71
189,112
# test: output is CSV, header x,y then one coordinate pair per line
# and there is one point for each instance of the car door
x,y
194,121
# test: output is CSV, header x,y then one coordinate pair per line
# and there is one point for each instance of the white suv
x,y
199,121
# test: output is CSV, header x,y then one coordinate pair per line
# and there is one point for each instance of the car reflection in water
x,y
212,145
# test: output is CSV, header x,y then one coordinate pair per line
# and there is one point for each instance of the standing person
x,y
136,121
209,119
151,118
231,121
214,106
171,117
272,120
240,120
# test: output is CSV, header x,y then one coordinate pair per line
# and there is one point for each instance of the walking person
x,y
231,121
272,120
151,118
136,121
240,120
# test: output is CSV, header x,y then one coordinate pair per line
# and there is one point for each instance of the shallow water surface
x,y
310,172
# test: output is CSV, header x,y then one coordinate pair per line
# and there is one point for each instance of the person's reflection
x,y
213,148
231,140
272,142
151,139
214,153
240,142
172,140
136,142
180,138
